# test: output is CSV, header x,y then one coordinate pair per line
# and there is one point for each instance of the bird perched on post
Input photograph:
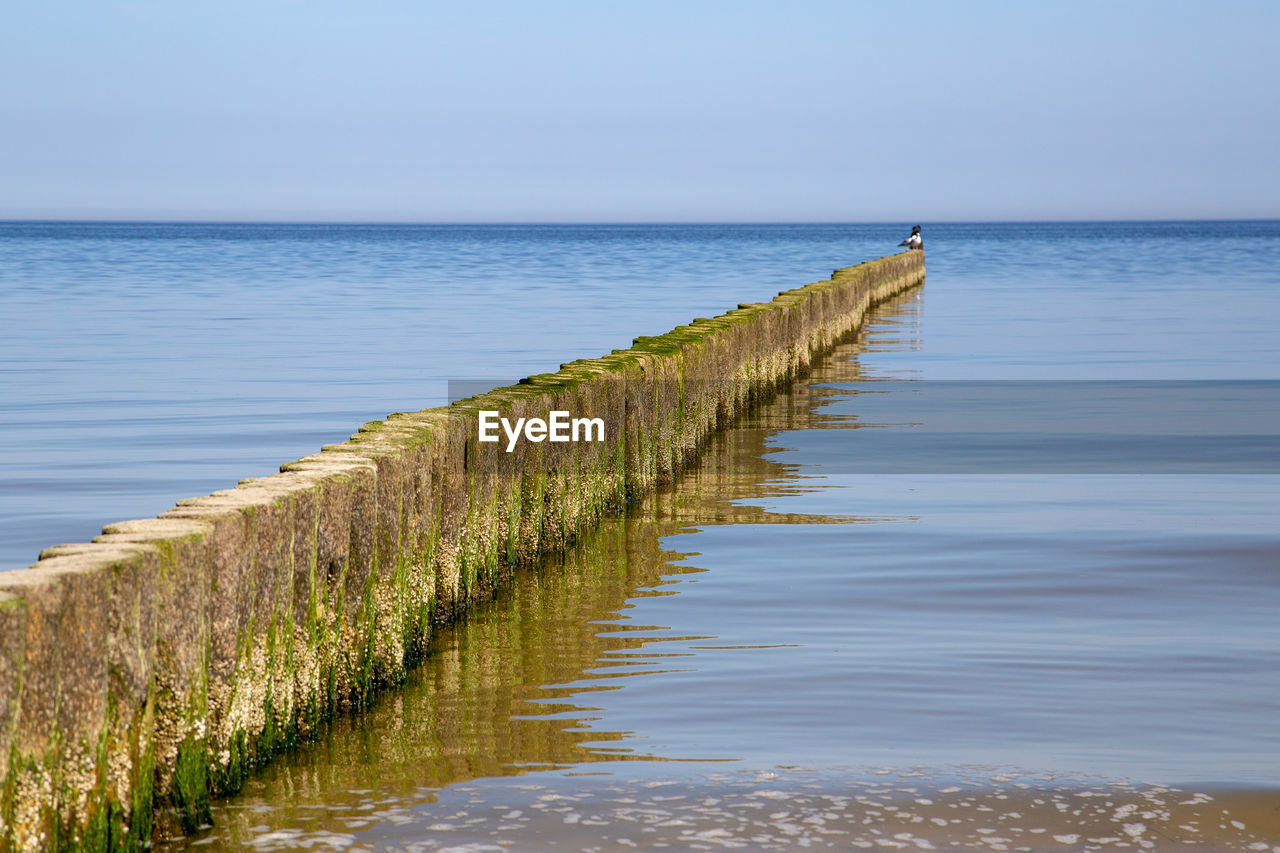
x,y
915,241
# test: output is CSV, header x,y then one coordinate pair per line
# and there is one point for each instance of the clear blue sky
x,y
644,111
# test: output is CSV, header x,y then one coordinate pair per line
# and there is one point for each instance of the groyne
x,y
153,668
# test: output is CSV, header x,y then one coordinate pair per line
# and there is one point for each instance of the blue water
x,y
140,364
841,583
143,363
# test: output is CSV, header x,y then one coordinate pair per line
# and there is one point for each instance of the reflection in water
x,y
507,690
522,684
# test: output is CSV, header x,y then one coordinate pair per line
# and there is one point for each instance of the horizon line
x,y
575,222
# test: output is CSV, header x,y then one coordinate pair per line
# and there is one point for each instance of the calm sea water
x,y
789,647
141,364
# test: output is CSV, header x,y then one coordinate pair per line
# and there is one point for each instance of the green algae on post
x,y
150,670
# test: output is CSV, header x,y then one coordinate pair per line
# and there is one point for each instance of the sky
x,y
807,110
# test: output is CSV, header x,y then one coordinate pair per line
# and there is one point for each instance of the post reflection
x,y
508,689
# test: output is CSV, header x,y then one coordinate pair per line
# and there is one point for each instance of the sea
x,y
1001,573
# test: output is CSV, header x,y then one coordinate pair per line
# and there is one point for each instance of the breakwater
x,y
151,669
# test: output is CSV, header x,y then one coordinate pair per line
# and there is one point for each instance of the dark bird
x,y
915,241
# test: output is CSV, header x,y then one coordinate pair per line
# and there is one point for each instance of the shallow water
x,y
787,809
767,656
